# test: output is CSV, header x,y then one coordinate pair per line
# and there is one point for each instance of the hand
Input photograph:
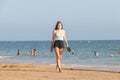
x,y
67,45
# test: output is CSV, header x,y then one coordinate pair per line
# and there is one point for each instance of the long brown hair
x,y
57,25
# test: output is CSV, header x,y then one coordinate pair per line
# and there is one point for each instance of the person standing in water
x,y
96,54
57,43
34,52
18,53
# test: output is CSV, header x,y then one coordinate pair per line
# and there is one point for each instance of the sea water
x,y
83,58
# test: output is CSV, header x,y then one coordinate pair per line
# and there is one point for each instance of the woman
x,y
58,39
34,52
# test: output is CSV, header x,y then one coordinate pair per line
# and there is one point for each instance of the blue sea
x,y
83,58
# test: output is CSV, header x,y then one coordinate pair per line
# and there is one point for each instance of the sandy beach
x,y
41,72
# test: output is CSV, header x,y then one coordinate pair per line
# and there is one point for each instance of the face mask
x,y
59,27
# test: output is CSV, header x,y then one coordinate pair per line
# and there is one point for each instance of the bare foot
x,y
60,70
57,69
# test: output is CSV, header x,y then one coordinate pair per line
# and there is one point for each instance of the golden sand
x,y
40,72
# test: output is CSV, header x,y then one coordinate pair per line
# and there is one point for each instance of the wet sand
x,y
43,72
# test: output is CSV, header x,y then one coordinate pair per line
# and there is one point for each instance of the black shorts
x,y
59,44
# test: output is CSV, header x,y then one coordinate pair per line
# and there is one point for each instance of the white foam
x,y
5,56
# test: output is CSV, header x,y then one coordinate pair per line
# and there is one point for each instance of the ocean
x,y
83,58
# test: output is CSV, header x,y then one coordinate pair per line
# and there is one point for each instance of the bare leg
x,y
60,54
58,58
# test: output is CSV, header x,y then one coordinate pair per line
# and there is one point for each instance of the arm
x,y
52,41
65,39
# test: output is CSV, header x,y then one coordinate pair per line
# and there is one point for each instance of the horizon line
x,y
68,40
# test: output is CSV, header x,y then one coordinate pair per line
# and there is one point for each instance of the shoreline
x,y
43,72
63,67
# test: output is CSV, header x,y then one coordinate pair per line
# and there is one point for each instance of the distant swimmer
x,y
96,54
111,54
18,53
119,51
34,52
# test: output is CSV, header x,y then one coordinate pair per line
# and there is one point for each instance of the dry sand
x,y
39,72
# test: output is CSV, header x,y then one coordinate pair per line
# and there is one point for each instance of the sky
x,y
82,19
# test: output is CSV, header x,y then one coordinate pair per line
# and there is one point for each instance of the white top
x,y
59,36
